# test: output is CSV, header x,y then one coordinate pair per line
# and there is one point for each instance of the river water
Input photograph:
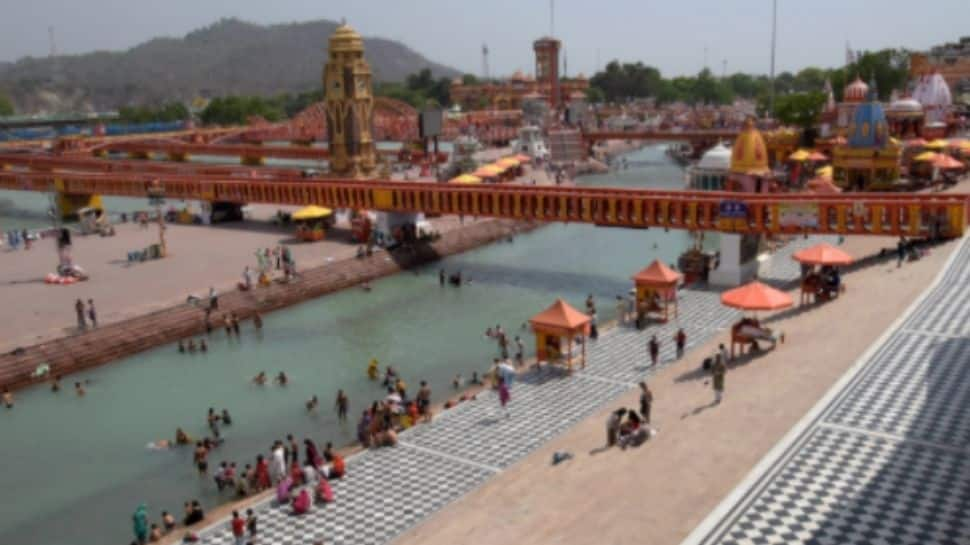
x,y
75,468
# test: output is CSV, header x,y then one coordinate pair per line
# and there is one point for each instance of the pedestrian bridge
x,y
888,214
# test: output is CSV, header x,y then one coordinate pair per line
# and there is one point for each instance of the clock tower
x,y
349,105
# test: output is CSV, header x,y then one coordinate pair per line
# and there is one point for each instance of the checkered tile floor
x,y
846,488
887,460
387,491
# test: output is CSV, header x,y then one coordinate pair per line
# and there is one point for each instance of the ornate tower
x,y
350,105
547,68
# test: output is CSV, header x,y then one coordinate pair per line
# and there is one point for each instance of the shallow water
x,y
82,464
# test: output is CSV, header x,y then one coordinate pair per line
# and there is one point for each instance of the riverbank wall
x,y
94,347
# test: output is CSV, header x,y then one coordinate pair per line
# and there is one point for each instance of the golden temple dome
x,y
749,154
346,39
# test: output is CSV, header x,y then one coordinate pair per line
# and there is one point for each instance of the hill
x,y
228,57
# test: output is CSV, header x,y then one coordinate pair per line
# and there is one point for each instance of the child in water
x,y
372,369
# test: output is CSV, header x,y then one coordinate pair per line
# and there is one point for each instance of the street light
x,y
156,198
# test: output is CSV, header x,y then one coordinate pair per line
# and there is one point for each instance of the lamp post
x,y
774,28
156,198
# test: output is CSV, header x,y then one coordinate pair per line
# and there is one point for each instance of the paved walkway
x,y
388,491
883,458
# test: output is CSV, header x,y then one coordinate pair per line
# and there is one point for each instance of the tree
x,y
800,109
888,67
595,95
164,113
469,79
236,110
6,107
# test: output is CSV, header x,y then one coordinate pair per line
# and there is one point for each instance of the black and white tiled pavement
x,y
388,491
885,459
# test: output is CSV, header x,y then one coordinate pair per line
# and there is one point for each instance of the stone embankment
x,y
99,346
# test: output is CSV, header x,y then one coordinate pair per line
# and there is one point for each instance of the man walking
x,y
238,529
646,401
681,340
92,314
719,371
654,348
519,352
79,310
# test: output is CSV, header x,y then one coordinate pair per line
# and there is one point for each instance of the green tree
x,y
469,79
595,95
236,110
168,112
6,107
799,109
888,67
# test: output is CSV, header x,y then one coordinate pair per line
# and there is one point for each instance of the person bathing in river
x,y
181,347
182,438
260,379
312,403
79,389
281,379
191,347
203,347
372,369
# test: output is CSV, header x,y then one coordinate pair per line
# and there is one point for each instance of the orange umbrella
x,y
523,158
945,162
915,143
817,156
823,254
756,296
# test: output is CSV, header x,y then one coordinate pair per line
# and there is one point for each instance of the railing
x,y
858,214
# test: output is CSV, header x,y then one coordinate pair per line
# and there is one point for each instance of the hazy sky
x,y
669,34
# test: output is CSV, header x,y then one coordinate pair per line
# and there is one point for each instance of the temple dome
x,y
346,39
933,91
716,158
868,128
857,91
749,154
905,105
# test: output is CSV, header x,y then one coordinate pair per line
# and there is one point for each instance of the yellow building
x,y
870,158
349,106
749,161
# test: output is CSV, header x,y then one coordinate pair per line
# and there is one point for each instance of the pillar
x,y
734,268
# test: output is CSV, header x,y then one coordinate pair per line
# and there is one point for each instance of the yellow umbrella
x,y
488,171
311,212
824,172
926,156
466,179
508,162
800,155
936,144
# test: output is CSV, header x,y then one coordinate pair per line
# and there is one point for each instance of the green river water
x,y
75,468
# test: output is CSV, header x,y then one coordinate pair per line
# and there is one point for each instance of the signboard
x,y
732,209
798,215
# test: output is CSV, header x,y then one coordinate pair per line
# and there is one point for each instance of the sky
x,y
671,35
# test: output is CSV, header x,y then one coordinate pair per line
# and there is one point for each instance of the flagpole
x,y
774,28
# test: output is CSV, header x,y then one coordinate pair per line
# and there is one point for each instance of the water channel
x,y
75,468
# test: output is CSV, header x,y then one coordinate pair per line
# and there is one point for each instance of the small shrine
x,y
656,292
870,158
558,323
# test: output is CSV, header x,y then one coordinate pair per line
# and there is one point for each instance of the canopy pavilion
x,y
312,222
753,296
827,283
558,322
656,292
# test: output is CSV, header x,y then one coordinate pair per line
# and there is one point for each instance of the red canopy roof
x,y
756,296
560,316
822,254
657,274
